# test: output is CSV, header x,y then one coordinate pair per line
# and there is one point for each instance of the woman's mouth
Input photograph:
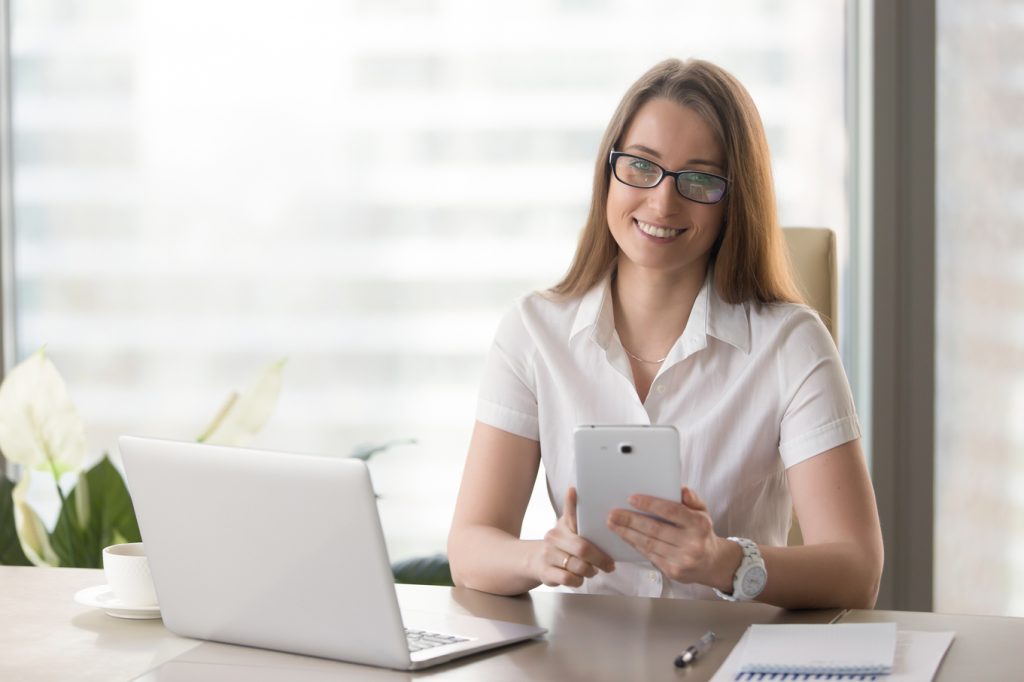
x,y
658,231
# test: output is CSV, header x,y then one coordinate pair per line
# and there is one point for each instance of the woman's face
x,y
657,228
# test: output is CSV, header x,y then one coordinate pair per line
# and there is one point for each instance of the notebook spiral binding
x,y
783,676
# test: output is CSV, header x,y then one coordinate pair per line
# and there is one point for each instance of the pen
x,y
696,649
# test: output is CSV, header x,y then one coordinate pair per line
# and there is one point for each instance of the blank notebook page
x,y
844,649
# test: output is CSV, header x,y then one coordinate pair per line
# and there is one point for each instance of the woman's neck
x,y
651,307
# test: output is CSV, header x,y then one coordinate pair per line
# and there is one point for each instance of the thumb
x,y
569,510
692,500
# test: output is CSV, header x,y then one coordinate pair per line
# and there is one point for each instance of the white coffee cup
x,y
127,571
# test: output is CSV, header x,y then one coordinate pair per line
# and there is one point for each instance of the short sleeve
x,y
508,397
818,409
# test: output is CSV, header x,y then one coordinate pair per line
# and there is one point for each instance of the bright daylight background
x,y
363,187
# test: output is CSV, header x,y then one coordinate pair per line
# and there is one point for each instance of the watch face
x,y
753,581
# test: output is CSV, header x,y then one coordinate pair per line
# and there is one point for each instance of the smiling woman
x,y
697,277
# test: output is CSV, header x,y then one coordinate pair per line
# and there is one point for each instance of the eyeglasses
x,y
636,171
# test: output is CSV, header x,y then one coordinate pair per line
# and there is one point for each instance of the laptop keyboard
x,y
421,639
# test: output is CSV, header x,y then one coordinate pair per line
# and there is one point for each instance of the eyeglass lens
x,y
694,185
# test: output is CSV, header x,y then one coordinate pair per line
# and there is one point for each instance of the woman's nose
x,y
664,197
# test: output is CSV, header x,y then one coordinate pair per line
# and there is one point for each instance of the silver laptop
x,y
283,551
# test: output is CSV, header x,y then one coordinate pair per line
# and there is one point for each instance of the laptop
x,y
283,551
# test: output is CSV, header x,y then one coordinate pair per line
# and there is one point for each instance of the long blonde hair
x,y
750,257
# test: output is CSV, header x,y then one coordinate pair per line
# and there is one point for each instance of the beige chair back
x,y
812,255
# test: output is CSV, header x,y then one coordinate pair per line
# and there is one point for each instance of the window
x,y
979,402
201,188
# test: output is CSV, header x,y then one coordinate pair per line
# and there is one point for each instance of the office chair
x,y
812,255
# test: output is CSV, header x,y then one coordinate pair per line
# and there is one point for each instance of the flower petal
x,y
35,541
39,425
246,415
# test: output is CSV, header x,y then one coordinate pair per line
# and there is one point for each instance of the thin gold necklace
x,y
640,359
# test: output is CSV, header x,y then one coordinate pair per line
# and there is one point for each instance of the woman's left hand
x,y
686,549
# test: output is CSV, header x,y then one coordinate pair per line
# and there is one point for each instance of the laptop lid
x,y
281,551
266,549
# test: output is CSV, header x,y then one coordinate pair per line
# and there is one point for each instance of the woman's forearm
x,y
831,575
489,559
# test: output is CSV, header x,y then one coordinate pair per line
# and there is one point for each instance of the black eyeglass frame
x,y
667,173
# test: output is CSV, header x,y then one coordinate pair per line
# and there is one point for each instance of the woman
x,y
678,309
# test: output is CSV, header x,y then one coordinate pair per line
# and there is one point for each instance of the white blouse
x,y
753,389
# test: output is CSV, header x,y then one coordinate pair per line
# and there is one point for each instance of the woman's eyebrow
x,y
692,162
702,162
645,150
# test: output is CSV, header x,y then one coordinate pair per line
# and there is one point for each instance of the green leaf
x,y
111,519
11,553
431,570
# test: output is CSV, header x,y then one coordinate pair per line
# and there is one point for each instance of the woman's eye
x,y
641,165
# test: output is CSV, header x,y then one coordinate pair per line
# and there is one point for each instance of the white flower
x,y
39,425
244,415
35,541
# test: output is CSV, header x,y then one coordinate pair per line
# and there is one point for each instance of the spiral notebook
x,y
846,651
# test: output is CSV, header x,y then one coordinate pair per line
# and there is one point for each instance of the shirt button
x,y
652,576
660,389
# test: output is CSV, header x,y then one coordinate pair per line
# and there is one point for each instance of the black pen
x,y
696,649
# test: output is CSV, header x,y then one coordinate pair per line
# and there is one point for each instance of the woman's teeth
x,y
655,231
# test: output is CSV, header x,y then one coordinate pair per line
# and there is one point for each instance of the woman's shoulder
x,y
546,303
788,320
546,309
539,313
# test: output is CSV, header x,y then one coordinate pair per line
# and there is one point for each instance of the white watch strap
x,y
751,557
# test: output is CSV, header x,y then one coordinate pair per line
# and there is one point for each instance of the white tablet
x,y
614,462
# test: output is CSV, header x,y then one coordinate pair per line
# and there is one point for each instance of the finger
x,y
557,576
565,569
567,578
651,547
674,512
569,510
582,549
623,518
692,500
579,567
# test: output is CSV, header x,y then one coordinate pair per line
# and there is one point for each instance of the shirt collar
x,y
729,322
725,321
595,312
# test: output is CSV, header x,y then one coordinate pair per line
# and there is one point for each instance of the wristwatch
x,y
750,577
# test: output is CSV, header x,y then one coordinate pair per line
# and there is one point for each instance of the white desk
x,y
45,635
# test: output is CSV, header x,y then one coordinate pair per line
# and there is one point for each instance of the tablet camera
x,y
626,448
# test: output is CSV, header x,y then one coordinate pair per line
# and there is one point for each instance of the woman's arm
x,y
484,548
840,562
839,565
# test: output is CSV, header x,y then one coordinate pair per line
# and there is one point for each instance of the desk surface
x,y
984,648
44,634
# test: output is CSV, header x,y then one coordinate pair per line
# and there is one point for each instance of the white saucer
x,y
102,597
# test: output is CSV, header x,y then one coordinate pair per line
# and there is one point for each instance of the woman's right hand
x,y
565,558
